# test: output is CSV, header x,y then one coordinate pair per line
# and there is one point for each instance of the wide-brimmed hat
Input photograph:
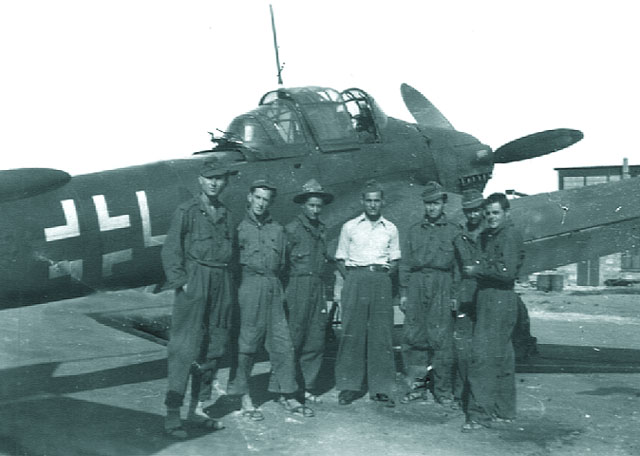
x,y
472,199
312,188
433,191
213,167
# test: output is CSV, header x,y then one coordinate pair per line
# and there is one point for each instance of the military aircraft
x,y
63,236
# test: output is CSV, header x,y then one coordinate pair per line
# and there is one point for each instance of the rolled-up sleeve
x,y
394,244
342,252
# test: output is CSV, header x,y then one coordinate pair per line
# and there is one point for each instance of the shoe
x,y
346,397
381,397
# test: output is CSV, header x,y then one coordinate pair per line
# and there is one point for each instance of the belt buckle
x,y
372,268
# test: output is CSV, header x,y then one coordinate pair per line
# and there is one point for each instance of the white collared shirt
x,y
363,243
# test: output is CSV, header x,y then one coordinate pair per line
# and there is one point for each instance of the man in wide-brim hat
x,y
312,188
305,297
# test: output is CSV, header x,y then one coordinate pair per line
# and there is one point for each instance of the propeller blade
x,y
21,183
536,145
422,110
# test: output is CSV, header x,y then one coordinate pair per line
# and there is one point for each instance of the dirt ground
x,y
72,385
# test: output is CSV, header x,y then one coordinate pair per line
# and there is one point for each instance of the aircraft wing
x,y
573,225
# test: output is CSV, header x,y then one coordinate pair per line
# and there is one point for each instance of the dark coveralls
x,y
467,251
307,252
427,273
260,297
492,370
196,253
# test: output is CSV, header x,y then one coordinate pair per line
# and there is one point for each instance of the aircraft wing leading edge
x,y
573,225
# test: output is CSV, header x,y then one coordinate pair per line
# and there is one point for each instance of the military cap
x,y
213,167
472,199
312,188
372,186
262,183
433,191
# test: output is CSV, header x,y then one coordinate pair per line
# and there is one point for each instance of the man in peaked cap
x,y
195,257
426,297
262,248
305,297
467,250
368,253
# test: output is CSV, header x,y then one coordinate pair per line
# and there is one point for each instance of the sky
x,y
94,85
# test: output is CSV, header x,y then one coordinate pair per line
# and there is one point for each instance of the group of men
x,y
456,286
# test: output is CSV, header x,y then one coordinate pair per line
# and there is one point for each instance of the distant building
x,y
621,265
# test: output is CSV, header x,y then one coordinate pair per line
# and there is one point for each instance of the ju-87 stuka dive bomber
x,y
63,236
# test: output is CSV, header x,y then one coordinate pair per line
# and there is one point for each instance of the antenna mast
x,y
275,45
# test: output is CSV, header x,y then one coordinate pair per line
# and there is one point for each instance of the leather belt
x,y
370,268
250,271
304,274
427,269
210,264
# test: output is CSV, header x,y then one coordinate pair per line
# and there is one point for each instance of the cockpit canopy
x,y
295,121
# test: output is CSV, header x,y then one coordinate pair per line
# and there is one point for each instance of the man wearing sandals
x,y
195,257
305,296
368,253
427,299
261,243
492,396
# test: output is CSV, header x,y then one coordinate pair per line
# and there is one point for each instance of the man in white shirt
x,y
368,253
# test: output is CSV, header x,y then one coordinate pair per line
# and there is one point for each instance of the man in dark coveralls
x,y
467,251
426,282
368,253
305,297
492,395
261,243
195,257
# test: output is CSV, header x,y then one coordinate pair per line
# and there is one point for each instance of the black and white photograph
x,y
283,227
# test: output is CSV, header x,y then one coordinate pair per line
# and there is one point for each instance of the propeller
x,y
422,110
536,145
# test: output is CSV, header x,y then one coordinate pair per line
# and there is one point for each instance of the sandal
x,y
299,409
177,433
414,396
313,398
253,414
471,426
209,423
